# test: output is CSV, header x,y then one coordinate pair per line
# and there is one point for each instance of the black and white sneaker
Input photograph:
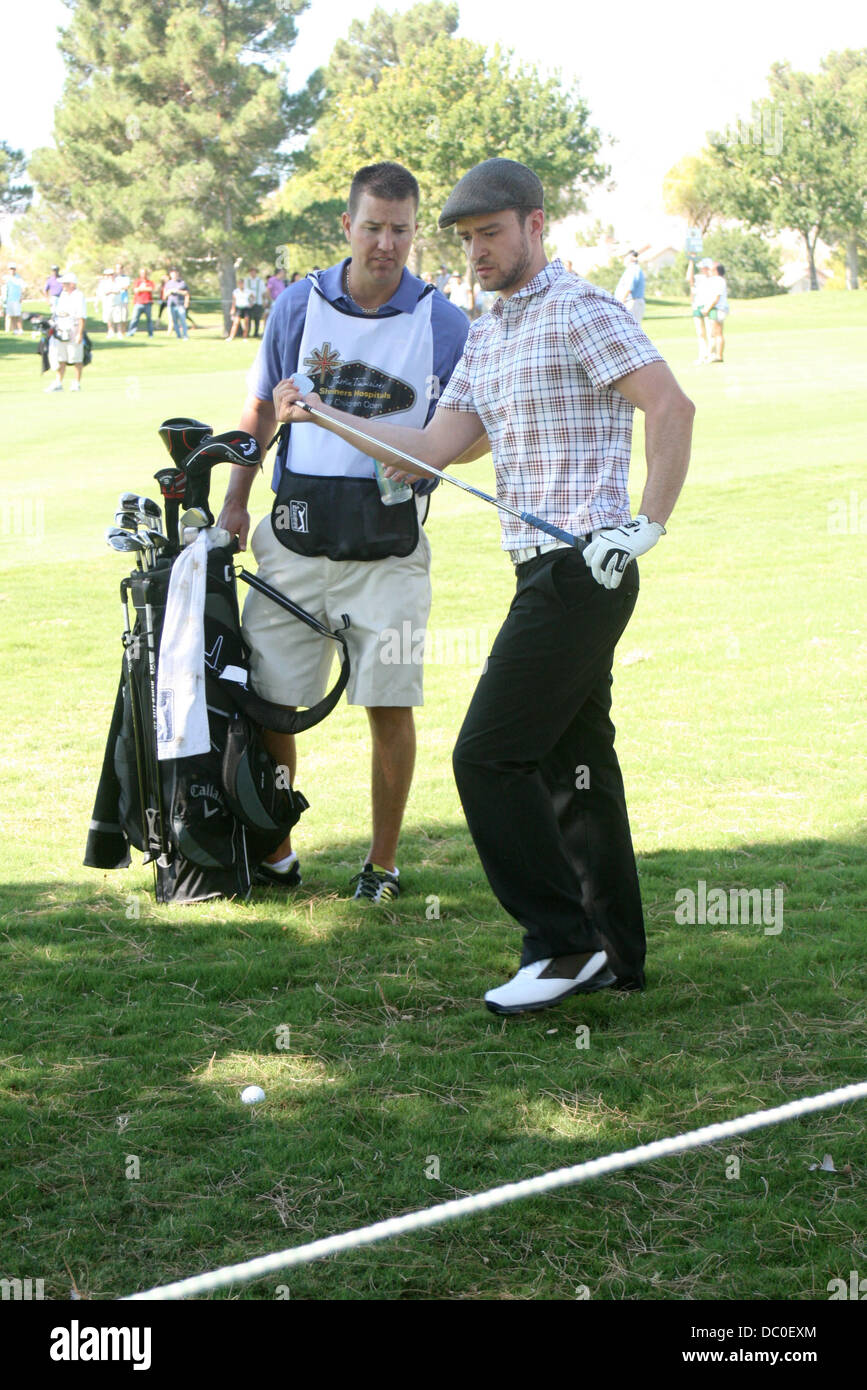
x,y
375,885
289,877
546,982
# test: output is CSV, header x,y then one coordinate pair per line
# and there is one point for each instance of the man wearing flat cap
x,y
551,378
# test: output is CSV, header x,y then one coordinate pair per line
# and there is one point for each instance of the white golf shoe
x,y
546,982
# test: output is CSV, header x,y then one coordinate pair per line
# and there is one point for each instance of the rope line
x,y
499,1196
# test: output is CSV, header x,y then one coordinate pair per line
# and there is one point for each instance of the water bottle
x,y
390,490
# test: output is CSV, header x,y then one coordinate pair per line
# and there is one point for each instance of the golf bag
x,y
205,822
47,332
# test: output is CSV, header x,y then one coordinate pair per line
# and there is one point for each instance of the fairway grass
x,y
126,1157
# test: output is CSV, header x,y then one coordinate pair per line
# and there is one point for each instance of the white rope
x,y
498,1196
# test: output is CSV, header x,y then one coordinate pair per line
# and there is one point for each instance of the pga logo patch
x,y
298,516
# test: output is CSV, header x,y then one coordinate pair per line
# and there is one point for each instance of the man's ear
x,y
346,223
537,221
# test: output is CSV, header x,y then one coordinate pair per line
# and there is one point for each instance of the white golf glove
x,y
608,555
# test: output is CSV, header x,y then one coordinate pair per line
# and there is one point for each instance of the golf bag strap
x,y
276,717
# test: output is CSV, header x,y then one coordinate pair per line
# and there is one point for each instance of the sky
x,y
656,77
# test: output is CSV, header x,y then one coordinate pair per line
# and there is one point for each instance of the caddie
x,y
551,376
380,342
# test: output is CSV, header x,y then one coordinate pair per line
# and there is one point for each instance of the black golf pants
x,y
537,773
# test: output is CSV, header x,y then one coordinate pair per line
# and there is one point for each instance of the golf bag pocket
x,y
202,825
257,789
341,518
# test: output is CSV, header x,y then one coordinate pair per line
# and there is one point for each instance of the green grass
x,y
130,1030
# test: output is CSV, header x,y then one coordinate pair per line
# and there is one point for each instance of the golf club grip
x,y
551,530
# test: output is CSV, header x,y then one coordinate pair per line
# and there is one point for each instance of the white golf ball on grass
x,y
251,1095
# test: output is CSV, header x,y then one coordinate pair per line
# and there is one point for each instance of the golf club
x,y
119,538
173,482
128,521
234,447
181,436
305,384
148,510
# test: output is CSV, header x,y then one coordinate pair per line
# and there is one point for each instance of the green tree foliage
x,y
439,105
845,74
693,189
752,265
788,167
14,194
170,128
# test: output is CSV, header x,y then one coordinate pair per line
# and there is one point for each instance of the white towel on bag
x,y
182,711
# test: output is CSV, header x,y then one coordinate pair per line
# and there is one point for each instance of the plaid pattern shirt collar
x,y
543,281
538,370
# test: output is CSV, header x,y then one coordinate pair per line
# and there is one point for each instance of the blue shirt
x,y
631,281
278,355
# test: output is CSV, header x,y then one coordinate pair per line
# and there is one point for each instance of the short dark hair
x,y
389,181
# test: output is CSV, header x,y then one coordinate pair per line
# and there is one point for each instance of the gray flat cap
x,y
490,187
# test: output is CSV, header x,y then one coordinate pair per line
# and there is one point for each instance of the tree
x,y
14,196
786,169
446,105
845,74
371,49
692,189
170,128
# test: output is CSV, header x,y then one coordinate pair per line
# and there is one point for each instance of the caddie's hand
x,y
285,395
235,519
608,555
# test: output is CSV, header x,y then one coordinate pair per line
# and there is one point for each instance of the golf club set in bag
x,y
205,821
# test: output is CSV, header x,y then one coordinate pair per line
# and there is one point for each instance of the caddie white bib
x,y
369,366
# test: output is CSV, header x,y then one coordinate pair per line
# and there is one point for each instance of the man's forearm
x,y
667,438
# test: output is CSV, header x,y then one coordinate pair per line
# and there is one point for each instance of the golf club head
x,y
127,521
235,446
181,436
127,541
155,539
131,502
172,482
196,517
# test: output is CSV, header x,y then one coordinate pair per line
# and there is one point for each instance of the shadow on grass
x,y
130,1030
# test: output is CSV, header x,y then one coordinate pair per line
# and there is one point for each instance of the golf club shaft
x,y
430,472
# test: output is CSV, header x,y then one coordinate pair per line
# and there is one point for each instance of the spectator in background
x,y
718,311
276,283
66,345
442,279
164,280
460,294
240,311
105,295
255,286
53,286
296,275
178,299
13,297
143,298
630,286
702,297
121,299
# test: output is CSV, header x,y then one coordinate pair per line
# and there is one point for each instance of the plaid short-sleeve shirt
x,y
538,371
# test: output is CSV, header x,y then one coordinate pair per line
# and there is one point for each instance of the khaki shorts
x,y
388,602
64,352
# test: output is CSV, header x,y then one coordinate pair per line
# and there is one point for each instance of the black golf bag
x,y
46,328
206,821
